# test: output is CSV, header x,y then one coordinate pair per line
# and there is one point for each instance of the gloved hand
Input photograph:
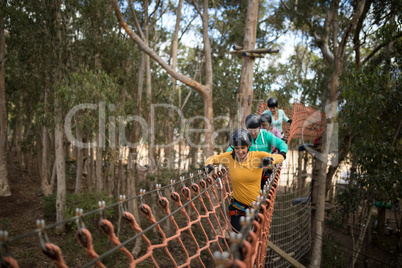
x,y
266,162
283,154
290,121
208,169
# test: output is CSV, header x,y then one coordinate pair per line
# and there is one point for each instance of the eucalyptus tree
x,y
204,90
4,187
330,25
373,116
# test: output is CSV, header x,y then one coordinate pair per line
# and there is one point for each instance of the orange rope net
x,y
200,233
307,123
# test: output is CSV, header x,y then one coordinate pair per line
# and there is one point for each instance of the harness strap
x,y
239,206
236,213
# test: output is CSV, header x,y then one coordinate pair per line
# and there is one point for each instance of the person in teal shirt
x,y
277,115
262,140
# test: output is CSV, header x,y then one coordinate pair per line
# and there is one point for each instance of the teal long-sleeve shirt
x,y
265,141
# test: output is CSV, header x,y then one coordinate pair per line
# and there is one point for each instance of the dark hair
x,y
266,118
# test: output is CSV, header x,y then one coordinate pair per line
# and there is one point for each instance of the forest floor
x,y
19,212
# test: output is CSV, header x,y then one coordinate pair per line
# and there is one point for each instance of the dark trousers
x,y
235,222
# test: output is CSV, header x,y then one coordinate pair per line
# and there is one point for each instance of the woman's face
x,y
254,132
241,151
265,125
273,110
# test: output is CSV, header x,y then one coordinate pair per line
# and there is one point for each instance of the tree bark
x,y
80,166
98,169
357,247
343,152
247,71
175,45
47,188
336,61
61,172
59,137
148,86
4,187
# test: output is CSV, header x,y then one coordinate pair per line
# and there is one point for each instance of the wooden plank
x,y
253,55
262,50
285,256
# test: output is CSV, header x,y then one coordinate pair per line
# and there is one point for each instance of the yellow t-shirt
x,y
245,176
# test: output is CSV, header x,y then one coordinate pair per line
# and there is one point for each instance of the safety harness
x,y
237,208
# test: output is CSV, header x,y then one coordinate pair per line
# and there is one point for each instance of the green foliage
x,y
5,224
348,200
93,94
372,111
333,255
87,201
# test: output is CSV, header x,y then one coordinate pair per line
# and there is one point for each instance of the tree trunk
x,y
299,168
99,162
247,71
358,245
4,187
335,61
148,86
321,187
47,188
80,166
18,134
381,221
175,45
113,159
133,205
61,173
339,157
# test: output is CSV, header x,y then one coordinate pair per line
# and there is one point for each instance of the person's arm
x,y
276,132
284,117
278,158
276,142
224,158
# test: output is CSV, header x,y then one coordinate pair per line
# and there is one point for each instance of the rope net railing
x,y
291,226
198,234
181,224
291,220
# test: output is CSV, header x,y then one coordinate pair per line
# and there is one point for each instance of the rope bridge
x,y
181,224
200,228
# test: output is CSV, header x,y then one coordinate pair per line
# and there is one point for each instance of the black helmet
x,y
272,102
240,137
266,118
253,121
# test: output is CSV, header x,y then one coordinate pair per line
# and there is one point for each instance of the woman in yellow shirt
x,y
245,170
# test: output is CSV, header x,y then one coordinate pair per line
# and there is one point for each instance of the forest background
x,y
58,55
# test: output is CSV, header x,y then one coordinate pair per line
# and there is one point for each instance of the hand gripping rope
x,y
49,249
6,260
108,229
85,238
133,223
